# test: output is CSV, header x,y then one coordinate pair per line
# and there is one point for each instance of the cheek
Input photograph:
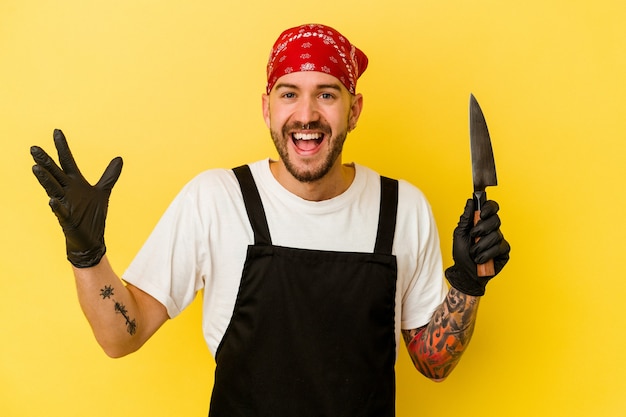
x,y
274,117
341,122
274,122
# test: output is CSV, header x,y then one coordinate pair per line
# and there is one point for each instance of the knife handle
x,y
487,269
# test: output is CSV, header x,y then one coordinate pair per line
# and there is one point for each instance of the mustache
x,y
319,126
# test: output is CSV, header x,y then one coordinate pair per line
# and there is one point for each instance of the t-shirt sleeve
x,y
168,264
420,263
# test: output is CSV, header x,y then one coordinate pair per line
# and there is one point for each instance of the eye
x,y
327,96
289,95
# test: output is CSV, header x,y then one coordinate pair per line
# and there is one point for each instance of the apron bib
x,y
312,333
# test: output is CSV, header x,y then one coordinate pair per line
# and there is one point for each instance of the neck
x,y
335,182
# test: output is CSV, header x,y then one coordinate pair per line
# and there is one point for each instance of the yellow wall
x,y
174,87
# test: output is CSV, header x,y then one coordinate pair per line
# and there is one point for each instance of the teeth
x,y
307,136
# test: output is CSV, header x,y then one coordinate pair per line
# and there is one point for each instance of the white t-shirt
x,y
200,243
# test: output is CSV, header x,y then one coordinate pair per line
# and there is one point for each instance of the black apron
x,y
312,333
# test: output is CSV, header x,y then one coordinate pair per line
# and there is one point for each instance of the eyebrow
x,y
319,86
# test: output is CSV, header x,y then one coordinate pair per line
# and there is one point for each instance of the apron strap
x,y
254,206
387,216
258,220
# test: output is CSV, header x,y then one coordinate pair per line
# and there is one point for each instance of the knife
x,y
483,168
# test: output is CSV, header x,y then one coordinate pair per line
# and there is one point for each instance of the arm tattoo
x,y
106,292
437,347
131,325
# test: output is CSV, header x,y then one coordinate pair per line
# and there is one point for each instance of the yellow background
x,y
174,87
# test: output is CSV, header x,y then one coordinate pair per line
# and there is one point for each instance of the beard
x,y
311,173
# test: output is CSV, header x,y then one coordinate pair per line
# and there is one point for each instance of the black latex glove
x,y
467,253
80,207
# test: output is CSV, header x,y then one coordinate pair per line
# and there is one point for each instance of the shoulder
x,y
212,178
411,195
408,193
211,184
414,210
207,194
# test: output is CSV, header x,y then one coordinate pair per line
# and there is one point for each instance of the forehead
x,y
309,80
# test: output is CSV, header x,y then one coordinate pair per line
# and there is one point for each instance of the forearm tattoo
x,y
108,292
436,348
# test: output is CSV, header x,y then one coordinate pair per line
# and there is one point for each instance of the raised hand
x,y
80,207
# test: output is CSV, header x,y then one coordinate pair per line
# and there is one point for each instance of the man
x,y
310,268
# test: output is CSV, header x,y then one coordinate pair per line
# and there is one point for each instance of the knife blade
x,y
483,168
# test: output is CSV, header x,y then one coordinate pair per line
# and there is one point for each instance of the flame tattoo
x,y
437,347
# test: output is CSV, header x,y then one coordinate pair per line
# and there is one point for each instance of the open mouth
x,y
307,141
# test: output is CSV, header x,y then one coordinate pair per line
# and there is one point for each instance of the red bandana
x,y
315,48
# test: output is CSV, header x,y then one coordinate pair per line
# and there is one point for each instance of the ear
x,y
265,102
355,111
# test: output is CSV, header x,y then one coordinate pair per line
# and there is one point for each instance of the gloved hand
x,y
80,207
467,253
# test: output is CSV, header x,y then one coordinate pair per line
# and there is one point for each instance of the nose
x,y
307,111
